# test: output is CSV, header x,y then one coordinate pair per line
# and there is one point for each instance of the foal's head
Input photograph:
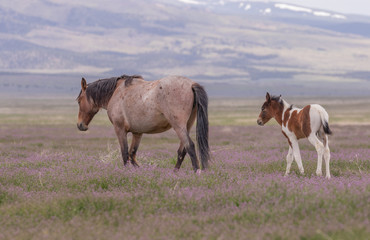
x,y
269,109
87,108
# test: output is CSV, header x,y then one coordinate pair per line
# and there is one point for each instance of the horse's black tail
x,y
325,121
201,102
327,130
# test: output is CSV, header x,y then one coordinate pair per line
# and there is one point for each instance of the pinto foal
x,y
310,122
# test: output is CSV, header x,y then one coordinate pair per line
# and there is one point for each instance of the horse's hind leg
x,y
189,146
181,152
320,151
327,156
136,138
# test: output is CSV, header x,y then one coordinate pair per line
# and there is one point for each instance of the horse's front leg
x,y
122,139
297,154
136,138
289,160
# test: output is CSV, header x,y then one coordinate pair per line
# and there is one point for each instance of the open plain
x,y
59,183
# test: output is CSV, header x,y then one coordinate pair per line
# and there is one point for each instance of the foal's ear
x,y
268,98
83,84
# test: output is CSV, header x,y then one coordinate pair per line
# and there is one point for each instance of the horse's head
x,y
268,110
87,108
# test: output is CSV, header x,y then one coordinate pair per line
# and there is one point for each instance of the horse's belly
x,y
149,125
159,129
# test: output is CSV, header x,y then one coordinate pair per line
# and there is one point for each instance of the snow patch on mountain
x,y
192,2
308,10
292,8
268,8
321,14
266,11
339,16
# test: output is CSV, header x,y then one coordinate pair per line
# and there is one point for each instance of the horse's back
x,y
175,97
153,106
175,82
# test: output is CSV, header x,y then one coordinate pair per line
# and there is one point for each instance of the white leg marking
x,y
289,160
320,151
297,154
327,158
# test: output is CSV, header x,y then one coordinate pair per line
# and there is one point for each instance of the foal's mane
x,y
102,90
279,100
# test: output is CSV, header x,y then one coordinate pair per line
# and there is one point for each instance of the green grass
x,y
57,183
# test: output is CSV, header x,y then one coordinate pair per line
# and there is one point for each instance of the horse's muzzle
x,y
260,122
82,127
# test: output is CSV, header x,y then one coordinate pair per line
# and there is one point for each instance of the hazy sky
x,y
343,6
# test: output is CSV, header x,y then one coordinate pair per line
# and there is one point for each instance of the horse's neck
x,y
280,112
287,107
279,117
106,102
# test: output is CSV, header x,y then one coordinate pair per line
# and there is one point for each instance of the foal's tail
x,y
201,102
325,121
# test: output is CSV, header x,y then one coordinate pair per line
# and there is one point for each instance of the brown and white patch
x,y
299,122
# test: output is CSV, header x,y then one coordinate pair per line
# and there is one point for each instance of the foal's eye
x,y
262,108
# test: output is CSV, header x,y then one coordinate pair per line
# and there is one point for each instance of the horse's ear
x,y
268,98
83,84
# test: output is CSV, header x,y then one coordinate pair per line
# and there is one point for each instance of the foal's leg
x,y
189,146
320,151
297,154
136,138
122,139
289,160
327,157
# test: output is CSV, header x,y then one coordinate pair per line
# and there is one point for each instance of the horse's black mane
x,y
102,90
129,79
277,99
280,101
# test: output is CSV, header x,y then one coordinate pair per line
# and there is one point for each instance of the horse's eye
x,y
262,108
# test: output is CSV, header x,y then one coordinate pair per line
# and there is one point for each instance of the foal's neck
x,y
280,111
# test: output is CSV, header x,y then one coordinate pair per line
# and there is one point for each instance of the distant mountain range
x,y
288,13
233,47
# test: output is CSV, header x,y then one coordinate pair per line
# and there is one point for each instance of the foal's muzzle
x,y
82,127
259,122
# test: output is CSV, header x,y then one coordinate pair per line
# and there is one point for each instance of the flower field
x,y
59,183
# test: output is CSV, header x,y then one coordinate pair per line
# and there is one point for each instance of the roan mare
x,y
311,122
138,106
